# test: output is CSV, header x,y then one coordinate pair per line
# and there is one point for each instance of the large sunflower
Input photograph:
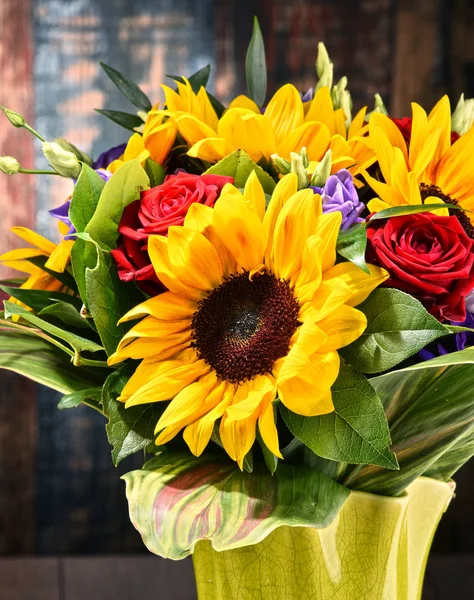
x,y
429,167
287,125
256,309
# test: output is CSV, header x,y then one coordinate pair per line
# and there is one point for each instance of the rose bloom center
x,y
242,327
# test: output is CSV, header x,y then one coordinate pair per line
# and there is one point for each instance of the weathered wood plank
x,y
29,579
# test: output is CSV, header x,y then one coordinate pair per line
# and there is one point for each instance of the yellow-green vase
x,y
376,549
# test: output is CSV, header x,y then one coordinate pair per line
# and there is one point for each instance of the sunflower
x,y
58,256
256,309
429,167
287,125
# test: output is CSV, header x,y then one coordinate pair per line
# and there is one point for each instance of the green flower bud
x,y
282,165
463,116
15,119
341,98
322,171
324,67
63,161
9,165
305,157
82,156
297,167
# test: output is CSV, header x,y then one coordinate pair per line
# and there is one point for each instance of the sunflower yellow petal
x,y
360,283
33,238
315,137
322,109
60,256
386,193
285,112
454,171
194,259
310,273
159,142
207,111
268,429
285,188
357,123
259,388
192,129
167,306
211,149
246,130
342,327
21,254
245,102
389,129
145,347
151,327
254,194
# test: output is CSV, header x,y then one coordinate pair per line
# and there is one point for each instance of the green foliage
x,y
197,80
67,314
155,172
129,430
453,459
430,410
209,498
398,326
256,66
352,243
410,209
65,278
37,300
85,197
90,397
129,88
239,165
355,432
37,359
126,120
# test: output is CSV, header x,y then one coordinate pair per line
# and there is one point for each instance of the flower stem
x,y
34,132
38,172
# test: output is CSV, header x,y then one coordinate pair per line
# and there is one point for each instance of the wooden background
x,y
59,493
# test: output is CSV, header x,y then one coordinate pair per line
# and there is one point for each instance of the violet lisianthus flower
x,y
107,157
451,343
62,212
339,193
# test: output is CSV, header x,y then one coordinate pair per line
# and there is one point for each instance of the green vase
x,y
376,549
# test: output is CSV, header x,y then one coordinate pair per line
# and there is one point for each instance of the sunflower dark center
x,y
427,190
244,325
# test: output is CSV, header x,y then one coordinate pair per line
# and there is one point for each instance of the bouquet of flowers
x,y
271,300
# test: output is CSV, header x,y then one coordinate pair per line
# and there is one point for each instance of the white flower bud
x,y
9,165
63,161
324,67
282,165
82,156
463,116
298,168
322,171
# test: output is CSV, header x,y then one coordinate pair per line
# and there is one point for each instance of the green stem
x,y
34,132
87,362
38,172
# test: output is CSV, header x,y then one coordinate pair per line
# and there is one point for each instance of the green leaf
x,y
83,256
239,165
430,409
155,172
39,299
127,120
255,66
351,244
216,105
38,360
65,278
67,314
85,197
129,88
129,430
90,397
356,432
119,191
76,342
209,498
453,459
105,292
410,209
197,80
398,326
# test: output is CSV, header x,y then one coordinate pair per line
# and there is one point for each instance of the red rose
x,y
427,256
158,209
405,125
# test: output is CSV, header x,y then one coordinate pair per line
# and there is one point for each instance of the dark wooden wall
x,y
59,493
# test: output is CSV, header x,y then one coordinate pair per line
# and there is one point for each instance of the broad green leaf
x,y
129,430
155,172
255,66
197,80
39,299
429,408
85,197
356,432
410,209
38,360
453,459
76,342
65,278
67,314
119,191
239,165
351,244
127,120
210,498
104,295
83,256
129,88
90,397
398,326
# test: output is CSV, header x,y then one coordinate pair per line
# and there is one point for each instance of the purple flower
x,y
307,96
62,212
451,343
104,160
339,193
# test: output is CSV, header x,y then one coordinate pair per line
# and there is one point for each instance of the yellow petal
x,y
254,194
357,123
145,347
159,142
194,259
285,188
246,130
386,193
391,131
208,113
35,239
309,276
308,392
240,229
245,102
314,136
158,251
244,405
360,283
199,217
454,171
322,109
60,257
285,111
192,129
21,254
329,225
376,205
150,327
342,327
440,118
212,149
268,429
167,307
